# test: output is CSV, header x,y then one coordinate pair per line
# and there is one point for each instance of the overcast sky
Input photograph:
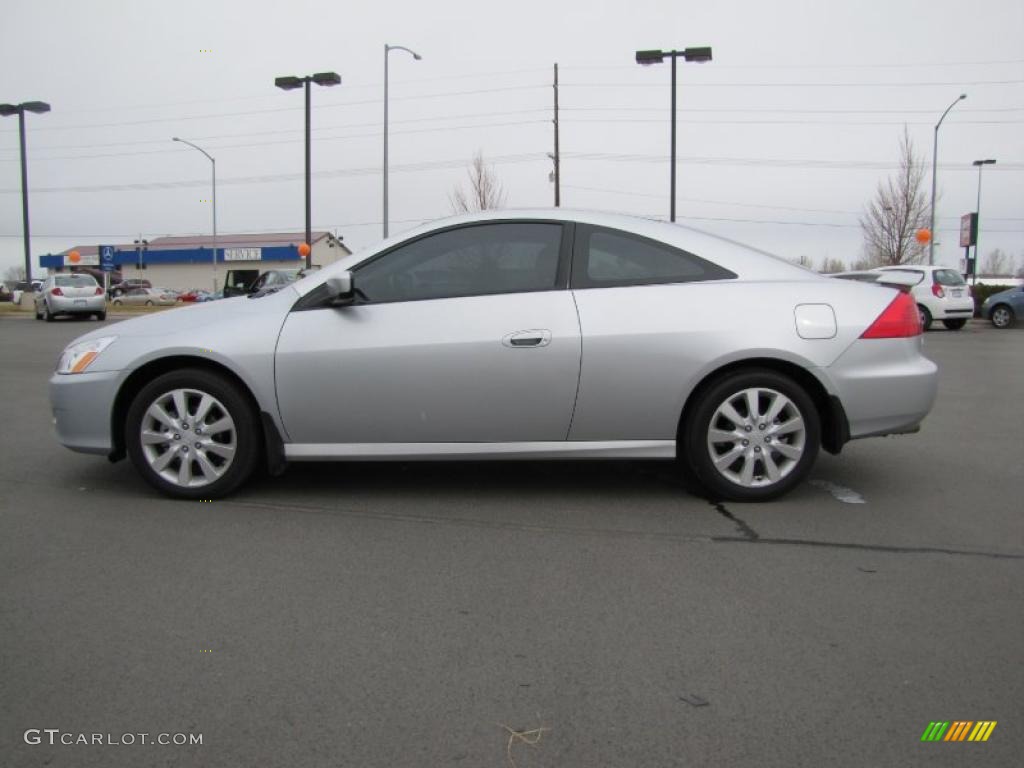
x,y
782,138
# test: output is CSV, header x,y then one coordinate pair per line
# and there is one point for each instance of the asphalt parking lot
x,y
560,614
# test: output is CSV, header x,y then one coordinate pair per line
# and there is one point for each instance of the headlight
x,y
78,357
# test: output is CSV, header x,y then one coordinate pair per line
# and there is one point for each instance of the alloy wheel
x,y
756,437
1000,317
188,437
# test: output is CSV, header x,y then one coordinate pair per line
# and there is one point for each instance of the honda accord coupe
x,y
509,335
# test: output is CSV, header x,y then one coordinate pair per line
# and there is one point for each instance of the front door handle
x,y
532,338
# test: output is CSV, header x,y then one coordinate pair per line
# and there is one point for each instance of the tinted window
x,y
948,277
75,281
605,258
469,261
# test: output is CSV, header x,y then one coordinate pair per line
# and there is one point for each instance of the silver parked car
x,y
147,297
70,294
529,335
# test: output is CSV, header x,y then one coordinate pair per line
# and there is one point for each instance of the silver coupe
x,y
540,334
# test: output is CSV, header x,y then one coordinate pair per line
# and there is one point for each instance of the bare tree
x,y
831,266
485,191
803,261
997,262
14,274
861,264
899,209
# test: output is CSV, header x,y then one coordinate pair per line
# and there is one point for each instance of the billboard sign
x,y
968,230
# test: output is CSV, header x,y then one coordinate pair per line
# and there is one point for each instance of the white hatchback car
x,y
940,293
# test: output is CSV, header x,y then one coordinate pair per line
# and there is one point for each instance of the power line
x,y
855,65
801,85
793,122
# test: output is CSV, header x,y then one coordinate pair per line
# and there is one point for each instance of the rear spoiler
x,y
897,280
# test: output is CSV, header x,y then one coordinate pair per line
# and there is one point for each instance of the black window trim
x,y
580,281
317,298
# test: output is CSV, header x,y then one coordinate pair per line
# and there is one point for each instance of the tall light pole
x,y
290,83
977,212
646,58
36,107
387,50
213,164
935,167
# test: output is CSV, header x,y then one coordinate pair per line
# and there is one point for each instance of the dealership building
x,y
184,263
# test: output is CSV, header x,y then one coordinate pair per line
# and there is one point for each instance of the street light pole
x,y
646,58
213,165
290,83
935,167
977,213
387,50
37,107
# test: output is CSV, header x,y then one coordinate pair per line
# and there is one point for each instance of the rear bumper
x,y
954,308
886,386
65,305
82,405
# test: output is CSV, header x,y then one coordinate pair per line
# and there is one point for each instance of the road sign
x,y
107,258
968,229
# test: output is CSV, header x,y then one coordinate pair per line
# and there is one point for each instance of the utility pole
x,y
556,158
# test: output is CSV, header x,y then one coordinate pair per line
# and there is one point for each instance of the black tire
x,y
1002,316
149,303
926,317
101,316
695,452
47,315
955,324
117,302
249,434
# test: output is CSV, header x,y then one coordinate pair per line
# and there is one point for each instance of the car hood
x,y
198,315
1002,294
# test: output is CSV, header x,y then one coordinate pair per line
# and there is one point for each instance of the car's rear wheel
x,y
149,303
192,434
926,317
118,302
956,324
1002,316
751,436
47,314
101,316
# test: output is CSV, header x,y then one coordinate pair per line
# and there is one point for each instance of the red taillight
x,y
99,291
56,292
937,290
897,321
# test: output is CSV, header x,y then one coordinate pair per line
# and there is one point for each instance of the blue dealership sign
x,y
107,258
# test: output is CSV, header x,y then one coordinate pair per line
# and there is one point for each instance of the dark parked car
x,y
1002,309
126,285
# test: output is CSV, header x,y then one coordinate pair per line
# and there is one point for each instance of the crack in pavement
x,y
749,534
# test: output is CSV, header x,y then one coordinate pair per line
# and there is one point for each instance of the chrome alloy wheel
x,y
1001,317
756,437
188,437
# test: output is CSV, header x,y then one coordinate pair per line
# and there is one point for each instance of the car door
x,y
467,334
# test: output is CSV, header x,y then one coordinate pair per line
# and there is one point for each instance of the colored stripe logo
x,y
959,730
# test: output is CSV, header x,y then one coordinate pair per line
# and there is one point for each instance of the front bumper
x,y
82,405
886,386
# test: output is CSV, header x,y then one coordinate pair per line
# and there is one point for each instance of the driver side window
x,y
469,261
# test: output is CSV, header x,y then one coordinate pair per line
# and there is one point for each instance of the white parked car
x,y
70,294
940,293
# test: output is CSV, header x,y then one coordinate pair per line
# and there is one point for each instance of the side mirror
x,y
341,290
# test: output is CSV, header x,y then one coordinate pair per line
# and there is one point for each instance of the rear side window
x,y
605,258
947,277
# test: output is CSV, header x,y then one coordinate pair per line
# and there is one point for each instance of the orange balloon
x,y
923,236
74,257
304,249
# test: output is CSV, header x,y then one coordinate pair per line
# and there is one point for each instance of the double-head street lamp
x,y
387,50
36,107
935,165
646,58
213,164
288,84
977,213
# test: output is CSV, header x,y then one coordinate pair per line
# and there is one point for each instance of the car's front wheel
x,y
1002,316
751,436
955,324
192,434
